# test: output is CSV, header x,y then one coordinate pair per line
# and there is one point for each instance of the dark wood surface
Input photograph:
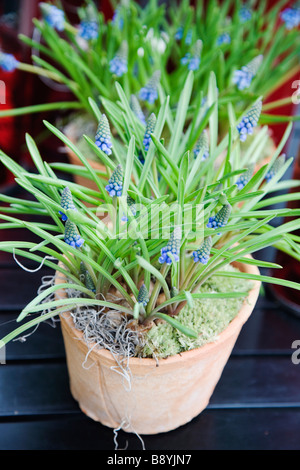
x,y
256,404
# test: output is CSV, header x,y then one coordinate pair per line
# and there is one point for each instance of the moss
x,y
208,317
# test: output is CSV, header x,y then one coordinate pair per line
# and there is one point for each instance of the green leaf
x,y
179,326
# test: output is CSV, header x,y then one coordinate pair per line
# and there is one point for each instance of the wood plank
x,y
247,429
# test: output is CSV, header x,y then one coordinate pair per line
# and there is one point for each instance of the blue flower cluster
x,y
117,19
136,108
249,121
172,248
179,35
291,17
53,16
118,65
192,60
244,178
8,62
149,91
245,14
115,183
87,278
149,130
202,144
243,78
223,39
131,208
103,137
72,236
88,29
221,218
277,165
66,203
143,295
202,254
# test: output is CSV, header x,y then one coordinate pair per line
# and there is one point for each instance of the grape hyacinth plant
x,y
151,50
190,221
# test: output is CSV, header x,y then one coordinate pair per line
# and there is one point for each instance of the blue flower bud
x,y
8,62
131,209
202,144
202,254
224,38
149,130
245,14
72,236
173,248
115,183
118,65
245,177
66,203
243,78
249,121
149,91
136,108
192,60
221,218
143,295
277,165
53,16
103,137
291,17
117,19
88,29
179,33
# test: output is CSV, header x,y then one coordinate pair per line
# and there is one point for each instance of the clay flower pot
x,y
162,395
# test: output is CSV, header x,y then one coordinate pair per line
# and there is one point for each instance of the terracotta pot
x,y
163,395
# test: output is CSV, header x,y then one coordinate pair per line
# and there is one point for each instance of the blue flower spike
x,y
72,236
224,38
88,30
66,203
151,122
53,16
8,62
243,78
118,65
149,91
89,25
245,14
202,144
192,60
89,283
117,19
115,183
143,295
221,218
291,17
173,248
179,33
277,165
131,209
245,177
103,136
248,122
136,108
203,253
86,278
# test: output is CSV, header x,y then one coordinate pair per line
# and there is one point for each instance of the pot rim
x,y
237,323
